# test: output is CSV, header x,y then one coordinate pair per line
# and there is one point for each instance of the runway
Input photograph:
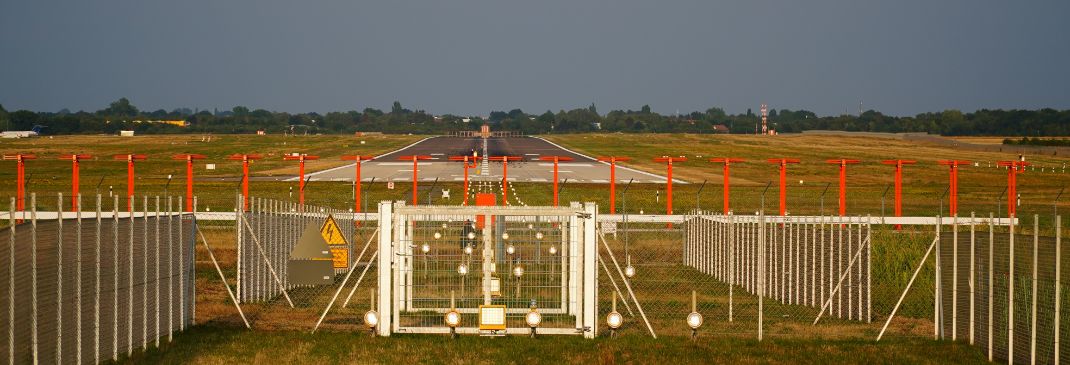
x,y
583,169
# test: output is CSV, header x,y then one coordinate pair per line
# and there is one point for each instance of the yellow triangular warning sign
x,y
331,233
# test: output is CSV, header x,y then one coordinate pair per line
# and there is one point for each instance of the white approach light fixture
x,y
694,319
468,250
553,250
438,235
518,271
538,235
425,248
452,318
629,270
614,319
533,318
505,235
510,249
462,269
471,235
371,317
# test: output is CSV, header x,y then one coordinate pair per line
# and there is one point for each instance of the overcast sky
x,y
900,57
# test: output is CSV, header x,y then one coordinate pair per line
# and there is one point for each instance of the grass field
x,y
227,345
812,184
219,338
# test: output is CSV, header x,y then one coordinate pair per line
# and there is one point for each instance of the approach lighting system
x,y
533,318
694,319
614,320
452,317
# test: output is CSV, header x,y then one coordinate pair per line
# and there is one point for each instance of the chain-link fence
x,y
1001,290
753,275
88,286
293,261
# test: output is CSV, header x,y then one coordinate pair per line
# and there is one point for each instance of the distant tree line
x,y
1026,141
121,115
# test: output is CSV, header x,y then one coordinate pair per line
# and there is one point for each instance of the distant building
x,y
720,128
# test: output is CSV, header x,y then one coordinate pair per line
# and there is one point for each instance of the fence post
x,y
78,280
955,277
96,295
1010,295
937,326
33,276
973,273
11,285
115,279
130,286
240,208
761,270
156,283
145,273
191,294
869,269
1033,298
170,269
1058,272
991,285
732,264
59,280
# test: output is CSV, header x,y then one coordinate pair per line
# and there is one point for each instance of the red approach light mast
x,y
301,158
356,178
75,176
555,160
415,167
782,165
245,161
505,173
953,196
668,180
898,184
189,158
130,159
843,182
20,168
612,160
1013,169
469,162
727,161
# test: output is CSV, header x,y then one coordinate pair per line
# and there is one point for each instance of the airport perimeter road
x,y
583,169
